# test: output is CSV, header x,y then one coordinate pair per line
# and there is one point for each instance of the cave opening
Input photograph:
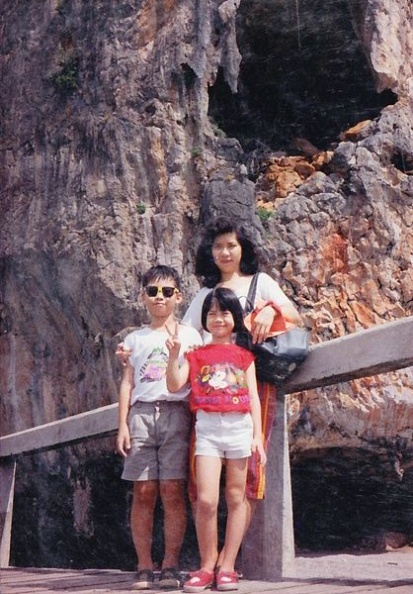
x,y
343,499
303,75
350,499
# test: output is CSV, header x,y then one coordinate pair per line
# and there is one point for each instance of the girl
x,y
225,399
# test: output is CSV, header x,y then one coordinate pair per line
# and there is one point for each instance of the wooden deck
x,y
388,573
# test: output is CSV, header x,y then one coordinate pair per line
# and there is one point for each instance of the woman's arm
x,y
268,290
257,443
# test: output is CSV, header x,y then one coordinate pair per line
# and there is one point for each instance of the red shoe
x,y
227,580
199,581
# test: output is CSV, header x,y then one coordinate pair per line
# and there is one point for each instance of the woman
x,y
226,257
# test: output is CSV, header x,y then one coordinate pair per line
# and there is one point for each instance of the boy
x,y
154,428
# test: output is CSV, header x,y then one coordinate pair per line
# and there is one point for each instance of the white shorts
x,y
223,435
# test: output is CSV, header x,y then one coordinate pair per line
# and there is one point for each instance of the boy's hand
x,y
173,344
123,353
257,446
123,441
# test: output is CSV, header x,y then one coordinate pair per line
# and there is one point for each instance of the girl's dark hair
x,y
205,267
163,273
227,301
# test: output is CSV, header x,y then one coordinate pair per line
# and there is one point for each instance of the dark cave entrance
x,y
343,499
303,75
350,499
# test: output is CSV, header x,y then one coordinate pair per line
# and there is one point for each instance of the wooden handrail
x,y
379,349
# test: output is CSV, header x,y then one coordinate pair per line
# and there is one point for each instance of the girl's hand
x,y
123,353
257,446
173,344
262,323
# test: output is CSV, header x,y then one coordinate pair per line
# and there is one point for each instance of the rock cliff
x,y
126,125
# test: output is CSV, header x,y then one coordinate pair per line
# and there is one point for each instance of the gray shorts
x,y
159,441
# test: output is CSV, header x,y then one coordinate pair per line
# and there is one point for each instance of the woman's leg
x,y
256,472
208,472
236,476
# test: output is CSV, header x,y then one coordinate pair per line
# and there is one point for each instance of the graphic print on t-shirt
x,y
218,376
154,369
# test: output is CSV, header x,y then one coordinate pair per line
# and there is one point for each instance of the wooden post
x,y
268,549
7,475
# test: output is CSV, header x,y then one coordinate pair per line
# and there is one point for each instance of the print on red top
x,y
217,376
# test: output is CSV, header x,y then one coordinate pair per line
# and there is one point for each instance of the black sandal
x,y
144,580
169,579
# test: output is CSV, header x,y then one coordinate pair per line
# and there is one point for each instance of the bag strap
x,y
249,304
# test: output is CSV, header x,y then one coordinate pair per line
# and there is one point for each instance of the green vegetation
x,y
196,152
263,214
66,81
216,129
141,208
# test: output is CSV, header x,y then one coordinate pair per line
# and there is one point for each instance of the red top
x,y
217,376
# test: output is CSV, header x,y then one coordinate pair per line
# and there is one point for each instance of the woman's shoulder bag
x,y
277,357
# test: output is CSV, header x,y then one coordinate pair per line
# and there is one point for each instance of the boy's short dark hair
x,y
227,301
161,272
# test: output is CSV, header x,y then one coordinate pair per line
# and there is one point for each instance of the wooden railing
x,y
269,545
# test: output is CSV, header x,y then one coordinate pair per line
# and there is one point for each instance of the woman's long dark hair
x,y
205,267
227,301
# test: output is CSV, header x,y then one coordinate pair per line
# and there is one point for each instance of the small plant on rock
x,y
263,214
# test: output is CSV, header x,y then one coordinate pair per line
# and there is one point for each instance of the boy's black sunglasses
x,y
153,291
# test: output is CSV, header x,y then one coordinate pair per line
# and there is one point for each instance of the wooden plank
x,y
398,590
7,478
380,349
38,581
52,581
94,423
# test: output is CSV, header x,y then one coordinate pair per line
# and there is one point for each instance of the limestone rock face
x,y
120,138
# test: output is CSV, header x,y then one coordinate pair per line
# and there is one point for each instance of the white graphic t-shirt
x,y
149,359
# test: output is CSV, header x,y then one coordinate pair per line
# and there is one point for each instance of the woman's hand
x,y
123,353
262,323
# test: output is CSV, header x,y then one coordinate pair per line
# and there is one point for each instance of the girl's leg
x,y
236,477
208,472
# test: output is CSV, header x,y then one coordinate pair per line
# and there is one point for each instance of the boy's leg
x,y
236,475
145,494
208,471
173,429
175,519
